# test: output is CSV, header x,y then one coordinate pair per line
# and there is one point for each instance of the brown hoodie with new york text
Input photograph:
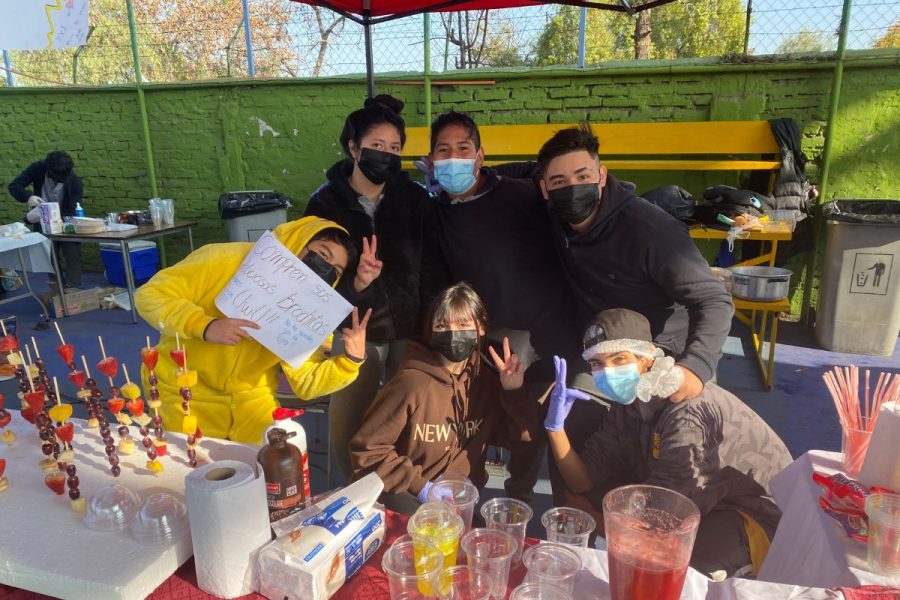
x,y
426,422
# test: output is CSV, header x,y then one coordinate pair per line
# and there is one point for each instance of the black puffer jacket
x,y
404,287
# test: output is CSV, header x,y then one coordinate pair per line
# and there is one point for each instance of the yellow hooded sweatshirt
x,y
234,395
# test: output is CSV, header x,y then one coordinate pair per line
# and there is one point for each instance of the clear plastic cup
x,y
161,518
538,591
156,214
650,535
568,526
883,511
412,568
464,583
438,523
461,494
552,563
854,446
491,550
168,211
112,508
511,516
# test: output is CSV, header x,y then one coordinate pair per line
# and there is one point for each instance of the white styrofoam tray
x,y
45,546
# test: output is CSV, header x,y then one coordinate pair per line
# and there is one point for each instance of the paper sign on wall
x,y
293,307
43,25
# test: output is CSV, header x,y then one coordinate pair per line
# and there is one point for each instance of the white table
x,y
30,252
46,548
592,582
809,547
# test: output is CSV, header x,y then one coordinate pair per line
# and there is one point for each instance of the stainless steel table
x,y
143,232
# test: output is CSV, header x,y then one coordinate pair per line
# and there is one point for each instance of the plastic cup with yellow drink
x,y
439,524
412,568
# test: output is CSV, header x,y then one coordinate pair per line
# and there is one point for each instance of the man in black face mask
x,y
620,251
53,180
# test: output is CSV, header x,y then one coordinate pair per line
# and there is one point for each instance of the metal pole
x,y
582,34
251,67
427,69
10,80
826,156
370,68
78,52
142,102
228,48
747,27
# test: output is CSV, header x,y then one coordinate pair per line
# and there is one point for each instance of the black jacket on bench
x,y
637,256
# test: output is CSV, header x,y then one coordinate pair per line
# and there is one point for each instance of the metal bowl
x,y
135,217
762,284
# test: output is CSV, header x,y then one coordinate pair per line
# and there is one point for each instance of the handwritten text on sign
x,y
294,308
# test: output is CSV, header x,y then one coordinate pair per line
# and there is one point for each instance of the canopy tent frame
x,y
367,19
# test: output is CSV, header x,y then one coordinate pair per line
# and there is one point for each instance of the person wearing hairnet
x,y
53,179
714,449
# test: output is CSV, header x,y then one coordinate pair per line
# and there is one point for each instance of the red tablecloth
x,y
370,583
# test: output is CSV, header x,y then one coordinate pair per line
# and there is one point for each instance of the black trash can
x,y
859,295
252,213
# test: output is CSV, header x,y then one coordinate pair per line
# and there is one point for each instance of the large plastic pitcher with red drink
x,y
650,534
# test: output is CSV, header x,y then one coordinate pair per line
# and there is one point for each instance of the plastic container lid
x,y
111,509
161,518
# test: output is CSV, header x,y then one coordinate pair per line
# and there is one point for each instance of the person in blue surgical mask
x,y
714,449
494,233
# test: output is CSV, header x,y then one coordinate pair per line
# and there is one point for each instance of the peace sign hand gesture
x,y
512,372
355,336
369,267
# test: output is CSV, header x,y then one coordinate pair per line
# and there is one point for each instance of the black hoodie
x,y
404,287
637,256
499,241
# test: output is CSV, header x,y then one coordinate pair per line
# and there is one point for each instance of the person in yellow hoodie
x,y
237,376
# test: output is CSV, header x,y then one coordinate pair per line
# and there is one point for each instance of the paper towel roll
x,y
229,524
882,464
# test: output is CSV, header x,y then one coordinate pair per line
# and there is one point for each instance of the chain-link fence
x,y
183,40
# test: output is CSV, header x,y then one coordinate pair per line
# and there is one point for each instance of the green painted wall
x,y
214,137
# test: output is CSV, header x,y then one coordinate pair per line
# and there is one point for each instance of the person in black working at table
x,y
53,180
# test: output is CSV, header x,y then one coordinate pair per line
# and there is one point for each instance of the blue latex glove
x,y
561,398
431,184
423,495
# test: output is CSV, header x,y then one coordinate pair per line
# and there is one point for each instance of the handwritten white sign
x,y
43,25
294,308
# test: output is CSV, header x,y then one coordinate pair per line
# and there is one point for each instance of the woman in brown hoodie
x,y
444,406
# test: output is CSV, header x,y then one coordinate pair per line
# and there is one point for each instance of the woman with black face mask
x,y
444,406
369,195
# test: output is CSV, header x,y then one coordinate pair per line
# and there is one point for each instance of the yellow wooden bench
x,y
689,146
658,146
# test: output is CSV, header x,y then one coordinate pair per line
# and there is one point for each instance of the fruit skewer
x,y
186,379
94,399
76,376
67,470
109,366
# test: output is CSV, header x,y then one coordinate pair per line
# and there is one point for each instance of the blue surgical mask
x,y
456,175
619,384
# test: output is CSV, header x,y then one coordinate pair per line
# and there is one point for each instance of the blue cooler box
x,y
144,261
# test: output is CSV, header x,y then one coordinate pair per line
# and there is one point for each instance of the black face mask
x,y
455,346
378,166
320,267
574,204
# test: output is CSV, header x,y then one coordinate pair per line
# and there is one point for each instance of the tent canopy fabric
x,y
382,10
